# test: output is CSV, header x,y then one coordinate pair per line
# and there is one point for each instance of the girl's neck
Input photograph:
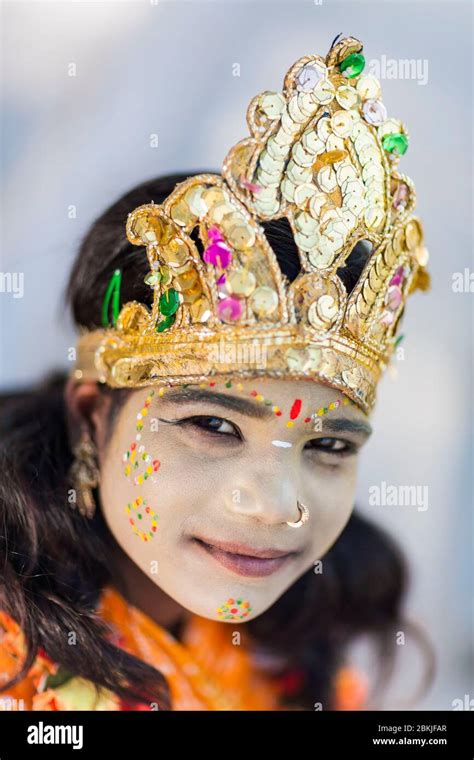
x,y
140,591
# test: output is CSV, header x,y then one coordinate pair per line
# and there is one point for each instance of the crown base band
x,y
149,360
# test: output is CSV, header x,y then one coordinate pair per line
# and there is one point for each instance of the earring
x,y
304,515
84,475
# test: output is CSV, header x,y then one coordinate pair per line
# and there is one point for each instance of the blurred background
x,y
86,87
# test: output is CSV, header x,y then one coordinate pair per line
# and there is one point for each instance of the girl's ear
x,y
86,409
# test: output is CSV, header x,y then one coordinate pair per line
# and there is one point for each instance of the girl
x,y
191,545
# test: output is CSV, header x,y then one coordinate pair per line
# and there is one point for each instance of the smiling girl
x,y
188,540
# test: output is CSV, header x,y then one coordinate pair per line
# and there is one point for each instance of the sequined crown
x,y
323,154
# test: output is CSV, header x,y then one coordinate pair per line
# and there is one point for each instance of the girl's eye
x,y
213,425
335,447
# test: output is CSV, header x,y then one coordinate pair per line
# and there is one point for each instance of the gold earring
x,y
84,475
304,515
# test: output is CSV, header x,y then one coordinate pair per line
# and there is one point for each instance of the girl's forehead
x,y
292,400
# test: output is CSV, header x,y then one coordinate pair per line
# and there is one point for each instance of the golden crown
x,y
324,154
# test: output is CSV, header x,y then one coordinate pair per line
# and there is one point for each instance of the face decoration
x,y
294,412
137,511
234,609
136,457
215,520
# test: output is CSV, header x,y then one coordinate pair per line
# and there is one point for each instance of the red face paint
x,y
295,409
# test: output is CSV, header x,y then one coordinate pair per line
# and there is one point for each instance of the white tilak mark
x,y
283,444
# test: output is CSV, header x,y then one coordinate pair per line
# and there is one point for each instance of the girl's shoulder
x,y
46,685
49,686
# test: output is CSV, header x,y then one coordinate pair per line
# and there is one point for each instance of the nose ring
x,y
304,515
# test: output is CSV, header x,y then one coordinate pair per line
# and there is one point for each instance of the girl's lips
x,y
244,564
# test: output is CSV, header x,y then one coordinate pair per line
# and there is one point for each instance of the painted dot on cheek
x,y
136,511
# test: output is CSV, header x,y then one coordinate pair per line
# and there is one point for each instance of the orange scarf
x,y
204,671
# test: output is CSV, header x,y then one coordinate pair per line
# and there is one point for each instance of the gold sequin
x,y
275,149
288,190
270,164
149,228
264,301
241,236
422,255
303,193
327,179
369,88
324,92
413,234
186,280
318,310
369,154
333,143
373,170
313,143
166,275
374,197
267,179
192,294
301,156
389,126
295,111
355,203
241,282
374,216
342,123
347,96
175,252
193,198
323,129
182,214
305,223
283,138
213,195
298,174
321,257
345,171
306,242
133,317
327,307
219,211
272,104
200,310
306,103
316,204
398,242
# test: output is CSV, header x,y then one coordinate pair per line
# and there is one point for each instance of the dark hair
x,y
53,562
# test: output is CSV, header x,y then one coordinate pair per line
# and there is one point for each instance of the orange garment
x,y
206,670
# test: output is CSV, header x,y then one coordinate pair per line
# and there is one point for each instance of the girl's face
x,y
198,484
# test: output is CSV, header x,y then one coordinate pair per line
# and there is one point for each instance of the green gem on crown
x,y
395,143
169,302
165,323
353,65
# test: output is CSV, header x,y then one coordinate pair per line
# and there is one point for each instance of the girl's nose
x,y
268,495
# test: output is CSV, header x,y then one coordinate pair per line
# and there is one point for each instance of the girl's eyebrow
x,y
256,409
345,425
191,395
